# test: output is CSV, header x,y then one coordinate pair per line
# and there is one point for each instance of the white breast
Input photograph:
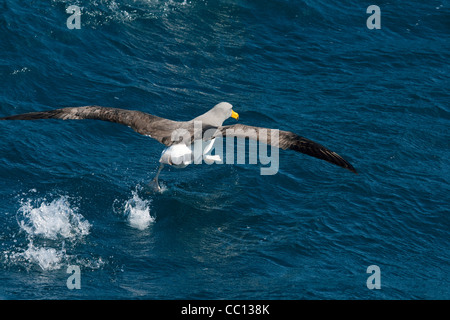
x,y
178,155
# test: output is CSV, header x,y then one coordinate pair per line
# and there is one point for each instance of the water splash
x,y
137,212
53,220
48,227
46,258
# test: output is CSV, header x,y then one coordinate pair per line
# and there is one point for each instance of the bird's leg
x,y
154,183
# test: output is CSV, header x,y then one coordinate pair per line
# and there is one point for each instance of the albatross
x,y
179,137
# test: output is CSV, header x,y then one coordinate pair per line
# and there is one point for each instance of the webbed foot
x,y
155,185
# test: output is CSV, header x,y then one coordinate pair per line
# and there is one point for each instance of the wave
x,y
103,12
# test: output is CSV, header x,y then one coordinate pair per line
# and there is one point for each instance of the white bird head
x,y
218,114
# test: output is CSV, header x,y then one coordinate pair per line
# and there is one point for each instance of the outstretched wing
x,y
285,140
143,123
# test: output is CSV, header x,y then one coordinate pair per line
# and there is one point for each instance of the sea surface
x,y
75,204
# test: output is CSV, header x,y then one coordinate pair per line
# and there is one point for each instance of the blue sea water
x,y
74,193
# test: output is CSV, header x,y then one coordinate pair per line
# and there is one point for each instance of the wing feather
x,y
286,140
143,123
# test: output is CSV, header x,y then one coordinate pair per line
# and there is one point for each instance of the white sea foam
x,y
46,258
137,212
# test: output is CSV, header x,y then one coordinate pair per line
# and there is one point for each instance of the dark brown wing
x,y
143,123
286,140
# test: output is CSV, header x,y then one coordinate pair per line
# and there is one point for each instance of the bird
x,y
181,137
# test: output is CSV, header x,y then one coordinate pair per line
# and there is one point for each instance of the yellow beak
x,y
234,115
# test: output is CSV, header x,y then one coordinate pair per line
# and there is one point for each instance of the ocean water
x,y
75,193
